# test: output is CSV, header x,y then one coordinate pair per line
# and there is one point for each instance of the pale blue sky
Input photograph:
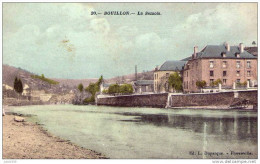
x,y
63,40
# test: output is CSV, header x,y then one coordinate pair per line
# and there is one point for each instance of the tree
x,y
100,80
239,84
18,85
175,81
201,84
93,88
216,82
80,87
114,88
126,88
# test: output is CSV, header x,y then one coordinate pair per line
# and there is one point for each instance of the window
x,y
238,80
224,81
238,64
211,64
224,64
211,80
248,63
211,73
248,73
224,73
238,73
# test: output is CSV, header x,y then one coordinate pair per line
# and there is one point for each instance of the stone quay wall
x,y
212,99
179,100
147,100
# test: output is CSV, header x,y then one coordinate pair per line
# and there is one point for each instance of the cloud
x,y
227,22
64,40
100,26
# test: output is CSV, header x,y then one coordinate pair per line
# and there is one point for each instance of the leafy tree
x,y
216,82
100,80
89,99
80,87
18,85
93,88
175,81
126,88
105,91
201,84
241,84
114,88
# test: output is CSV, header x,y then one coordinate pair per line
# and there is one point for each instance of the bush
x,y
216,82
105,91
126,88
241,84
114,88
201,84
89,100
175,81
80,87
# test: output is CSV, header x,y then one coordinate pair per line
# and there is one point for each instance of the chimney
x,y
241,47
156,68
195,51
227,46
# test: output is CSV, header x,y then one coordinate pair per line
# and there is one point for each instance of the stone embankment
x,y
180,100
146,100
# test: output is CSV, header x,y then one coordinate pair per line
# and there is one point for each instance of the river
x,y
120,132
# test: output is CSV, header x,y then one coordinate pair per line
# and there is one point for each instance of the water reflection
x,y
229,128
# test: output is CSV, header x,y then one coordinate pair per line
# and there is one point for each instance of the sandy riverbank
x,y
26,140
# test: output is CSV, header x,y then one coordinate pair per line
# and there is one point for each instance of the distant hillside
x,y
28,78
10,72
120,79
75,82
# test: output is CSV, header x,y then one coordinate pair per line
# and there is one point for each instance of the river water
x,y
119,132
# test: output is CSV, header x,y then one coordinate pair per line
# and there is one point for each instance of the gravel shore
x,y
26,140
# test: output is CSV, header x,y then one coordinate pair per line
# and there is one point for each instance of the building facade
x,y
143,86
230,64
162,74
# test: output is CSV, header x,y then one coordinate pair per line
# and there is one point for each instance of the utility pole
x,y
135,72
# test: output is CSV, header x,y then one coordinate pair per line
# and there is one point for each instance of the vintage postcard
x,y
130,80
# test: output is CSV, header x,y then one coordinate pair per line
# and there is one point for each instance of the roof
x,y
186,59
252,50
143,82
173,65
216,51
